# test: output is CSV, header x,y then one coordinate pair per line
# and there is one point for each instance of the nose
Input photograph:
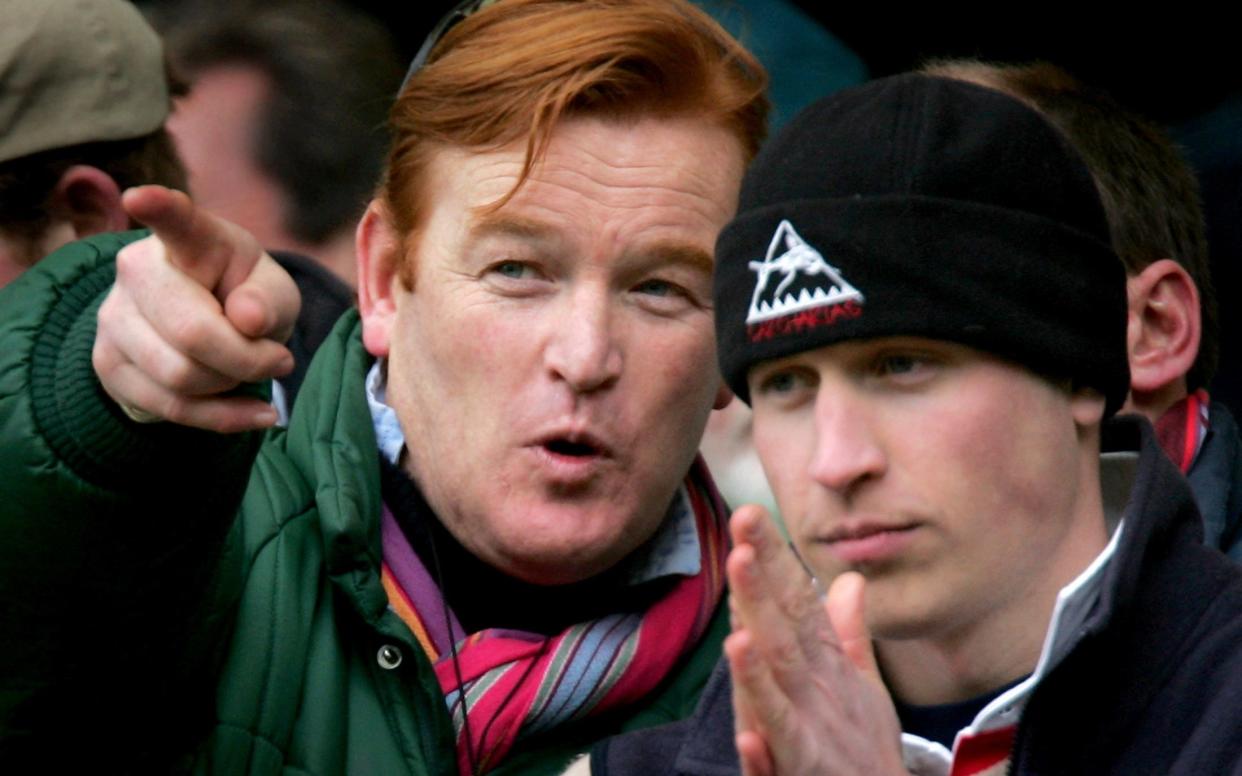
x,y
849,447
583,350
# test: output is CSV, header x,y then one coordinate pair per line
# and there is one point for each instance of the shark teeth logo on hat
x,y
794,277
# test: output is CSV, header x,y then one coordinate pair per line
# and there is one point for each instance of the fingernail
x,y
747,568
752,528
265,417
745,657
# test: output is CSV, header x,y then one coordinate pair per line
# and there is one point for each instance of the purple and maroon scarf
x,y
517,684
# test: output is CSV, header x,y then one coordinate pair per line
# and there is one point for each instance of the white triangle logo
x,y
794,277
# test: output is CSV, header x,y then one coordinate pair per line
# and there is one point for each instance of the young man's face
x,y
956,482
554,364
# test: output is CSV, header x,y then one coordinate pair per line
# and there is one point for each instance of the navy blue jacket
x,y
1216,479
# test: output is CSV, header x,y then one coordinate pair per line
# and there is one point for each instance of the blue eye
x,y
655,288
784,386
899,365
511,269
780,382
907,369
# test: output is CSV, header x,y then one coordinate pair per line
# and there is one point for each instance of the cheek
x,y
784,446
470,347
1001,463
679,365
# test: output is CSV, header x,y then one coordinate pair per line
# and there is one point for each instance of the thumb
x,y
845,611
265,304
215,253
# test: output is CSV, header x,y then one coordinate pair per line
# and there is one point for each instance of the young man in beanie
x,y
918,299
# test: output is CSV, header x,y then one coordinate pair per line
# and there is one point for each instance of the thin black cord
x,y
471,757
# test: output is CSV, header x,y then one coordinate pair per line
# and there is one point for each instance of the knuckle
x,y
776,719
258,368
175,409
178,374
785,659
132,260
103,360
126,259
799,604
188,332
109,313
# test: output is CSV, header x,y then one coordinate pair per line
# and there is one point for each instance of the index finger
x,y
216,254
774,597
751,525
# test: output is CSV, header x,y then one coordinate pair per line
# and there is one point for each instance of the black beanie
x,y
923,206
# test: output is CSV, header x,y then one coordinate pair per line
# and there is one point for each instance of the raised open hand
x,y
808,697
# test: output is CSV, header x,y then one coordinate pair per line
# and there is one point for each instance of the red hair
x,y
510,72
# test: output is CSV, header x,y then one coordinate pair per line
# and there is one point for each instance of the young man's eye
x,y
655,287
902,365
897,365
782,383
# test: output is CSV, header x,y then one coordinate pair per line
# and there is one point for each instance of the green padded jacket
x,y
173,599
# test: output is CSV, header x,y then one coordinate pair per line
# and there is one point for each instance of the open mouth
x,y
571,448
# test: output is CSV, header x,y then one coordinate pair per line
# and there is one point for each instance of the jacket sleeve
x,y
112,540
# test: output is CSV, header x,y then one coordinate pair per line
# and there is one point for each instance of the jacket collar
x,y
1159,511
331,441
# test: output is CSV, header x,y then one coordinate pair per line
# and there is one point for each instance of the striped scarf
x,y
1182,429
517,684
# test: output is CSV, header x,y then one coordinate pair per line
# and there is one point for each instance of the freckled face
x,y
953,480
554,364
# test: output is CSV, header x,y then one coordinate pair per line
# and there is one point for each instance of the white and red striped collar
x,y
983,747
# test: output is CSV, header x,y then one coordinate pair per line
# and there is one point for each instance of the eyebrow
x,y
680,253
506,225
664,252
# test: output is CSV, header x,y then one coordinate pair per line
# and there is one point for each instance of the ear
x,y
1162,329
89,201
378,248
723,397
1087,408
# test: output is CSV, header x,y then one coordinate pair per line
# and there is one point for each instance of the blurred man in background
x,y
1151,199
282,131
81,119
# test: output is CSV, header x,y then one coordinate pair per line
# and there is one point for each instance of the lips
x,y
861,530
570,458
869,542
574,444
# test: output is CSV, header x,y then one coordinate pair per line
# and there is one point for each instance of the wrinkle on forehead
x,y
619,175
